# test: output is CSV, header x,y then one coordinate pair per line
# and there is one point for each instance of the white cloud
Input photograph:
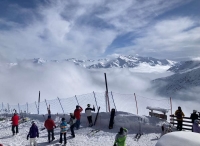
x,y
22,83
179,36
68,29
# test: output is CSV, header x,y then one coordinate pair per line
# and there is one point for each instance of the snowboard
x,y
112,115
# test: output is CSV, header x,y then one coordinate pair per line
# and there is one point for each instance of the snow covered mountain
x,y
131,62
179,82
185,66
119,62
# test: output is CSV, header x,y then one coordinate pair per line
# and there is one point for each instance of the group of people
x,y
194,117
50,125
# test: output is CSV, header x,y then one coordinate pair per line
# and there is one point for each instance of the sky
x,y
93,29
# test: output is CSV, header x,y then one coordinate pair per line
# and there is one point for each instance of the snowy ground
x,y
150,129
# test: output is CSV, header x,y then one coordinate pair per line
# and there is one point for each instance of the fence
x,y
187,122
131,103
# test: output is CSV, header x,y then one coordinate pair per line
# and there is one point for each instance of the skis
x,y
96,116
92,132
137,136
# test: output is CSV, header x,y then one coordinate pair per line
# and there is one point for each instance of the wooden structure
x,y
153,114
187,122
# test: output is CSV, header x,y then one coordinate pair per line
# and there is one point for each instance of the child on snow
x,y
33,133
63,131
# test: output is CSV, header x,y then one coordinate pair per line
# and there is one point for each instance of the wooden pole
x,y
61,106
36,107
95,99
46,105
107,97
39,103
136,103
27,107
18,108
8,108
76,100
171,104
113,101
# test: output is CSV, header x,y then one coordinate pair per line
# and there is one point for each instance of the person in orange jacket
x,y
15,123
50,125
77,114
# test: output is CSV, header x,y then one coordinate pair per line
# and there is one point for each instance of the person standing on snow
x,y
195,126
15,123
179,116
72,122
63,131
77,114
120,138
50,125
194,116
88,112
33,133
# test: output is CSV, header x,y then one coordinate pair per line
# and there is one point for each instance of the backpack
x,y
179,115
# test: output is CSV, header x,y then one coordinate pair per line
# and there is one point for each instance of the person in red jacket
x,y
77,114
50,125
15,123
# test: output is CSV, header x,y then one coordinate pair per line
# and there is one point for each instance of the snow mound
x,y
180,138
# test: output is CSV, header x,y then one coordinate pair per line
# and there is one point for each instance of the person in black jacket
x,y
194,116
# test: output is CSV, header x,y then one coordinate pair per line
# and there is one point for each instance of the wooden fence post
x,y
136,103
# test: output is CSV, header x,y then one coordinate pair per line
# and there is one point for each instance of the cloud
x,y
22,83
64,29
179,36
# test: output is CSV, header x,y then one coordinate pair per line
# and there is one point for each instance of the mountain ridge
x,y
118,62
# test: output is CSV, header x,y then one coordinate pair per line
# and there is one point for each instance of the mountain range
x,y
118,62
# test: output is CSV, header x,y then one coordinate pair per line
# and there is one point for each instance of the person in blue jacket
x,y
63,131
33,133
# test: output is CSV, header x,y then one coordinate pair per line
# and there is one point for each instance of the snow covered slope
x,y
185,66
178,82
150,127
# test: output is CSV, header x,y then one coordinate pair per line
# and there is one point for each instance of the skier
x,y
50,125
179,116
120,138
63,131
88,112
77,114
72,122
15,123
193,116
33,133
195,126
